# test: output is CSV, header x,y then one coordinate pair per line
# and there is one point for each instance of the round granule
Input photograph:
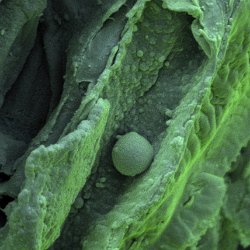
x,y
132,154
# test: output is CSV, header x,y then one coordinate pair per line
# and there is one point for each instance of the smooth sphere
x,y
132,154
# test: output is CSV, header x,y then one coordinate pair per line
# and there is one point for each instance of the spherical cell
x,y
132,154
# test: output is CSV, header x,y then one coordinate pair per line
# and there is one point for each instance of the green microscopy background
x,y
75,74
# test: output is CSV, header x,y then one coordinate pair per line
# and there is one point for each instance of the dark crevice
x,y
18,52
25,108
5,200
3,219
114,57
65,116
4,177
131,243
243,248
55,42
83,87
238,166
187,201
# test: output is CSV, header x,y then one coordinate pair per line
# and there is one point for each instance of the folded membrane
x,y
156,65
208,124
87,130
16,38
236,206
53,176
128,83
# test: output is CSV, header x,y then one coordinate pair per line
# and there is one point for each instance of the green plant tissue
x,y
124,125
